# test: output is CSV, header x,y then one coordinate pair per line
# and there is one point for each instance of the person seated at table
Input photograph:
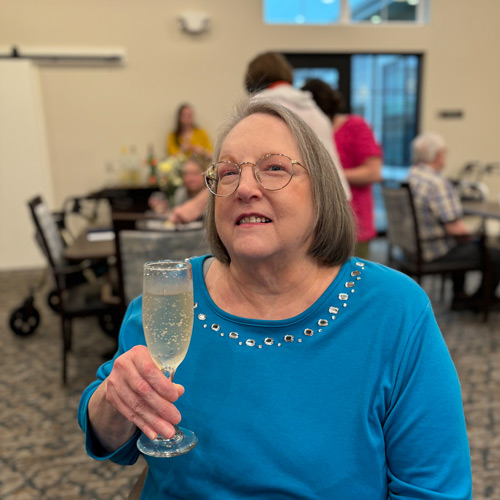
x,y
192,184
193,181
188,138
445,235
293,389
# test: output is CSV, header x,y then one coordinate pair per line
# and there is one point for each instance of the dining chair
x,y
405,240
135,247
79,290
138,245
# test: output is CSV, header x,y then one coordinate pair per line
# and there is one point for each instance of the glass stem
x,y
169,373
171,441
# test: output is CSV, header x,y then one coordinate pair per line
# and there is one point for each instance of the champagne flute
x,y
167,315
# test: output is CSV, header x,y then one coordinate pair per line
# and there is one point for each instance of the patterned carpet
x,y
42,453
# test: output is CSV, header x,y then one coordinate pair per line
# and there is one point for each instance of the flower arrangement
x,y
169,172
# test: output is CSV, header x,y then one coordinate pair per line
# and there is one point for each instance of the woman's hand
x,y
135,394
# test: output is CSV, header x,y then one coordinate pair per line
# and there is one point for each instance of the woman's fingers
x,y
145,417
142,394
180,389
150,376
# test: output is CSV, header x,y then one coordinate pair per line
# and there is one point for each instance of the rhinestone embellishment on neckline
x,y
333,311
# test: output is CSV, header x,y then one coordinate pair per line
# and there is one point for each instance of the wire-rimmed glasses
x,y
273,172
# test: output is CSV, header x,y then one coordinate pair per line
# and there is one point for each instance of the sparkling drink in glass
x,y
167,313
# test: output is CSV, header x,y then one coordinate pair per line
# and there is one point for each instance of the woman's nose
x,y
248,183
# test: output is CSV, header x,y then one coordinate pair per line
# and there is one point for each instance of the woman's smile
x,y
252,219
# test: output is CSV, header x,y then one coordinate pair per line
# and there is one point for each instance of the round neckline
x,y
337,283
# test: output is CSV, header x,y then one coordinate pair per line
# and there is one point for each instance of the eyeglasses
x,y
273,172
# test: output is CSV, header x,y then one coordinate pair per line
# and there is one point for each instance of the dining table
x,y
484,209
100,242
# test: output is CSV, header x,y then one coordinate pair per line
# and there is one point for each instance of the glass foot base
x,y
183,441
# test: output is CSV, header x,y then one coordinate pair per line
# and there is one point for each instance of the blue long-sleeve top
x,y
355,398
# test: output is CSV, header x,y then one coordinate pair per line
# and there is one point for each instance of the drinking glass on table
x,y
167,315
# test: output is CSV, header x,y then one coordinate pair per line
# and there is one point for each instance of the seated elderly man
x,y
441,219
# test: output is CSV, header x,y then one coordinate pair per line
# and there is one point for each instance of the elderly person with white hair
x,y
445,236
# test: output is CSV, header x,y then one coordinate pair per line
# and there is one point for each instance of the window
x,y
378,11
344,11
384,90
301,11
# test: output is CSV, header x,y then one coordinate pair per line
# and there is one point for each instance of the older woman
x,y
310,374
192,180
193,184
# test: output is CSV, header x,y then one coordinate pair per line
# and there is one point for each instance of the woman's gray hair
x,y
425,147
334,229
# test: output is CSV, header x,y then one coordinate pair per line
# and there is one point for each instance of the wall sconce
x,y
194,22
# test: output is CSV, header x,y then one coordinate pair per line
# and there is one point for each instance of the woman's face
x,y
254,223
192,177
186,116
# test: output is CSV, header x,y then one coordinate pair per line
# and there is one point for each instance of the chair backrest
x,y
402,224
47,232
138,247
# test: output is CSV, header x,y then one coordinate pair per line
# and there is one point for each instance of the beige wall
x,y
91,112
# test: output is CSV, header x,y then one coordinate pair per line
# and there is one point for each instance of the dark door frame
x,y
342,62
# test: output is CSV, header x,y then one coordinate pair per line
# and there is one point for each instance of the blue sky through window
x,y
329,11
301,11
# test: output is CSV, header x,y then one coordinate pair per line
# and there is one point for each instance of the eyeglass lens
x,y
273,172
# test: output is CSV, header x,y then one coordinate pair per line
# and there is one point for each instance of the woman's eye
x,y
273,167
226,172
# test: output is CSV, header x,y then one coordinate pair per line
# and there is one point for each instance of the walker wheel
x,y
25,319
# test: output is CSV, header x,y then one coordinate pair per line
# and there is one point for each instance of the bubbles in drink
x,y
168,322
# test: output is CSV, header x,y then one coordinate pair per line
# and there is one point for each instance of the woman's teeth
x,y
252,220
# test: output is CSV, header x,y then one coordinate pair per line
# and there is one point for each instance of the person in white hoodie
x,y
270,76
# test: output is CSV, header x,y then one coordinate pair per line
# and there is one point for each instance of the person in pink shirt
x,y
360,156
